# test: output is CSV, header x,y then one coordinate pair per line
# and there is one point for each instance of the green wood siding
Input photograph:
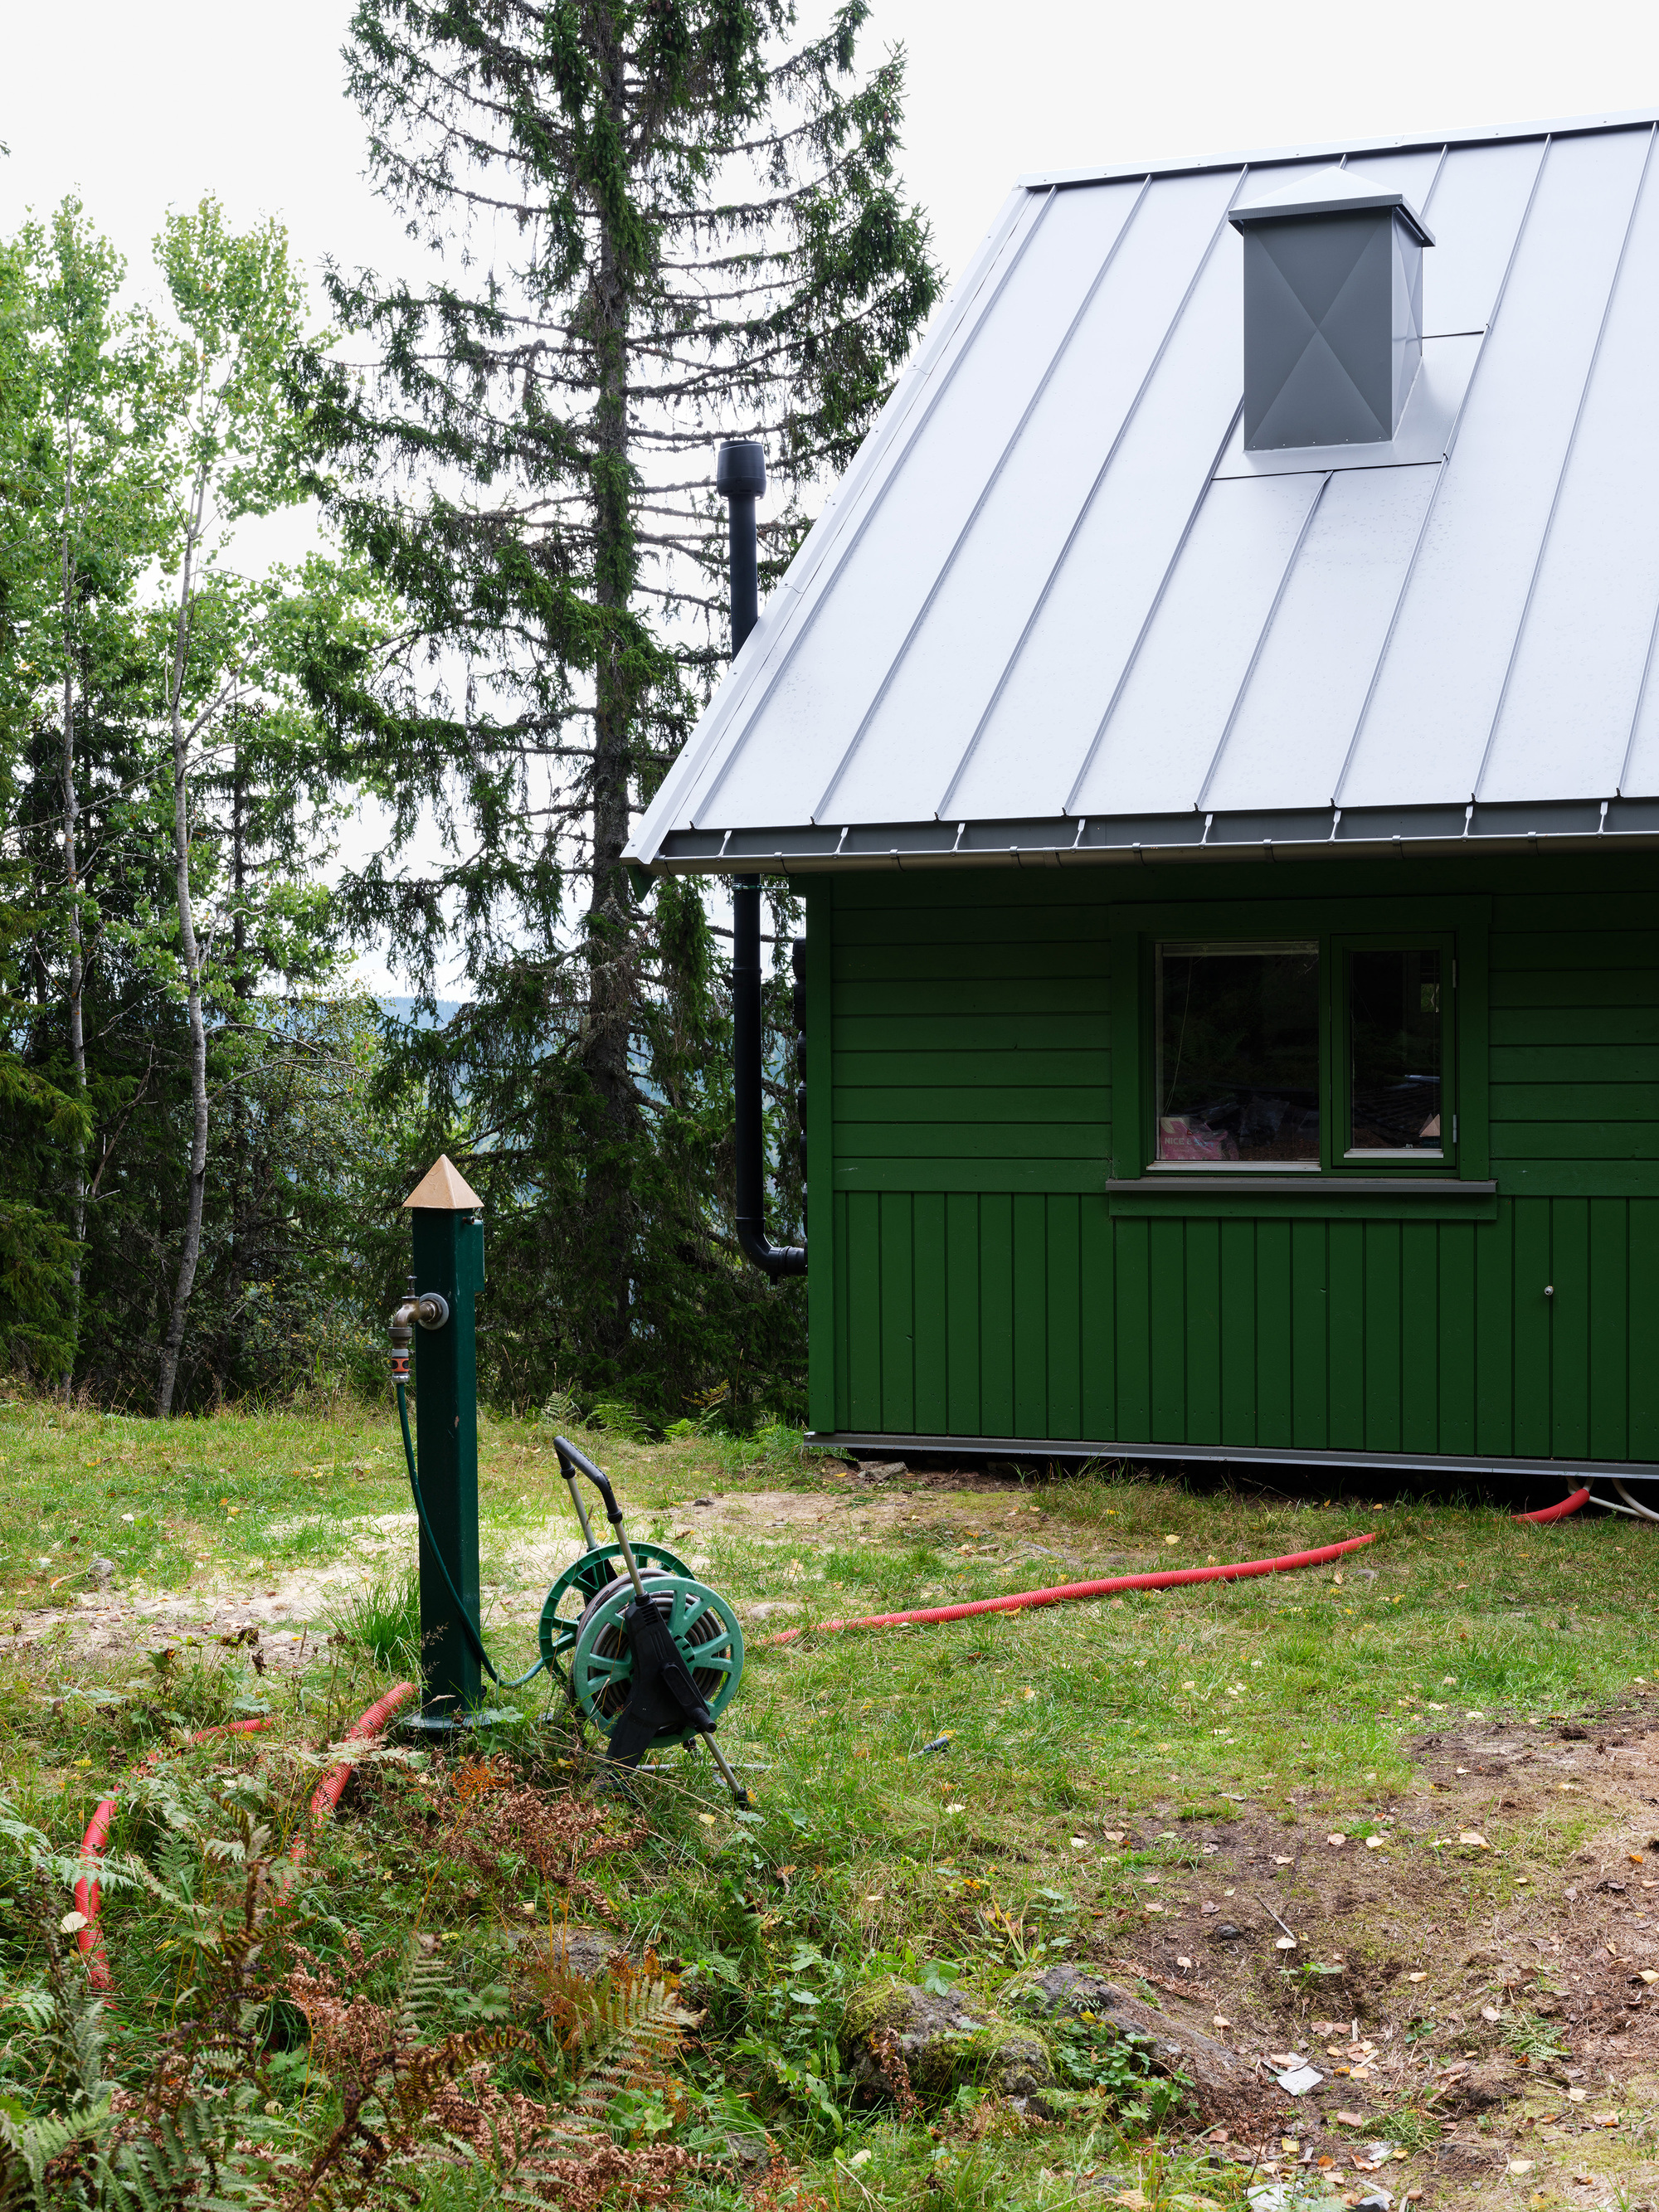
x,y
978,1280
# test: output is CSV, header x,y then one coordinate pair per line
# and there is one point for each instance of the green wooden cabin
x,y
1214,727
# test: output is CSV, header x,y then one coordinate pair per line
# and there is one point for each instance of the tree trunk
x,y
77,1042
610,977
190,1249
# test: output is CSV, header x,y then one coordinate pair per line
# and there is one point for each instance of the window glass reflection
x,y
1395,1019
1238,1053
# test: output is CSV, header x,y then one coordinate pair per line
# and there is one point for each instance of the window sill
x,y
1401,1197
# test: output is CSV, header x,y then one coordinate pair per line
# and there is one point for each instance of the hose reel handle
x,y
572,1462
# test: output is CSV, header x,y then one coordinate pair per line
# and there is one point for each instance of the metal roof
x,y
1055,610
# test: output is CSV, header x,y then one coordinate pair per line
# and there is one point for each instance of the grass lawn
x,y
1392,1818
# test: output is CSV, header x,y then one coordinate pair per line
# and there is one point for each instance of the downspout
x,y
740,478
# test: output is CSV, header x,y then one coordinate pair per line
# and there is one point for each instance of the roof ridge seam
x,y
1423,141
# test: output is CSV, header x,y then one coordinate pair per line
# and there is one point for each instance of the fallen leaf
x,y
1417,1977
1604,2119
1281,1862
1349,2119
1473,1839
1134,2198
1649,1976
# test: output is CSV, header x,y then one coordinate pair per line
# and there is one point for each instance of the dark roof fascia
x,y
1422,142
1301,833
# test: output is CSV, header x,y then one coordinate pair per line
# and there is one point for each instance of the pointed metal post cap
x,y
443,1189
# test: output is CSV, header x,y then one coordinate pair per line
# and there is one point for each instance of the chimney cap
x,y
1330,192
740,469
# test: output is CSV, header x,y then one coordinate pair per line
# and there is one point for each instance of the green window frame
x,y
1343,1180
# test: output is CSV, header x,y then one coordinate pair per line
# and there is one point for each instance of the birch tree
x,y
94,503
239,307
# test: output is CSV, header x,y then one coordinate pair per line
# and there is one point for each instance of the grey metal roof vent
x,y
1332,310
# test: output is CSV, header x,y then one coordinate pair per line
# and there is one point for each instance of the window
x,y
1330,1053
1238,1053
1394,1018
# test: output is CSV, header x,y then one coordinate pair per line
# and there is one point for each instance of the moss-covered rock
x,y
942,2042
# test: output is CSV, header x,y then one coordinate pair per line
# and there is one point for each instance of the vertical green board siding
x,y
976,1282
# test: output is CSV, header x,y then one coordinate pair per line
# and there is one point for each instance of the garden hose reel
x,y
650,1655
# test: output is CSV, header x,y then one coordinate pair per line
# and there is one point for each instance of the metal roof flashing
x,y
1332,191
1332,149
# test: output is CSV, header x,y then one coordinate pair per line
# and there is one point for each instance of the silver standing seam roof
x,y
1056,612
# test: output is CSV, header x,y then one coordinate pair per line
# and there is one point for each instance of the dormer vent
x,y
1332,310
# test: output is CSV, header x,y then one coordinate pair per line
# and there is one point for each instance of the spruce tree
x,y
656,223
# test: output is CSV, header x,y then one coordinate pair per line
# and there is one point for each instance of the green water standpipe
x,y
449,1274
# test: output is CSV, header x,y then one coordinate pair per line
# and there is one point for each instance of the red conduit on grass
x,y
323,1800
1559,1512
326,1796
1017,1600
92,1847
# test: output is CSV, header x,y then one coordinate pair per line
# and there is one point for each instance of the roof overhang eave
x,y
1299,833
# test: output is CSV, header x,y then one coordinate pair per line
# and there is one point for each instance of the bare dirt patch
x,y
1481,2002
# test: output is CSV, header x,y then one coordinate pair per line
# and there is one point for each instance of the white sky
x,y
141,108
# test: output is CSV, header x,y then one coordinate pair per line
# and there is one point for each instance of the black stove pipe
x,y
740,478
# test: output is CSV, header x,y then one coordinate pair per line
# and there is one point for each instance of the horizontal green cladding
x,y
1552,1070
940,1105
982,1282
962,1032
1063,1069
1075,998
926,963
990,922
1039,1138
1615,988
1576,1098
967,1174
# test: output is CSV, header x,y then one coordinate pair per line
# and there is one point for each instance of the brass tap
x,y
426,1309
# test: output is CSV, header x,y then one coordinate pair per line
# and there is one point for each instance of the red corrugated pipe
x,y
324,1799
89,1937
1559,1512
326,1795
1015,1601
